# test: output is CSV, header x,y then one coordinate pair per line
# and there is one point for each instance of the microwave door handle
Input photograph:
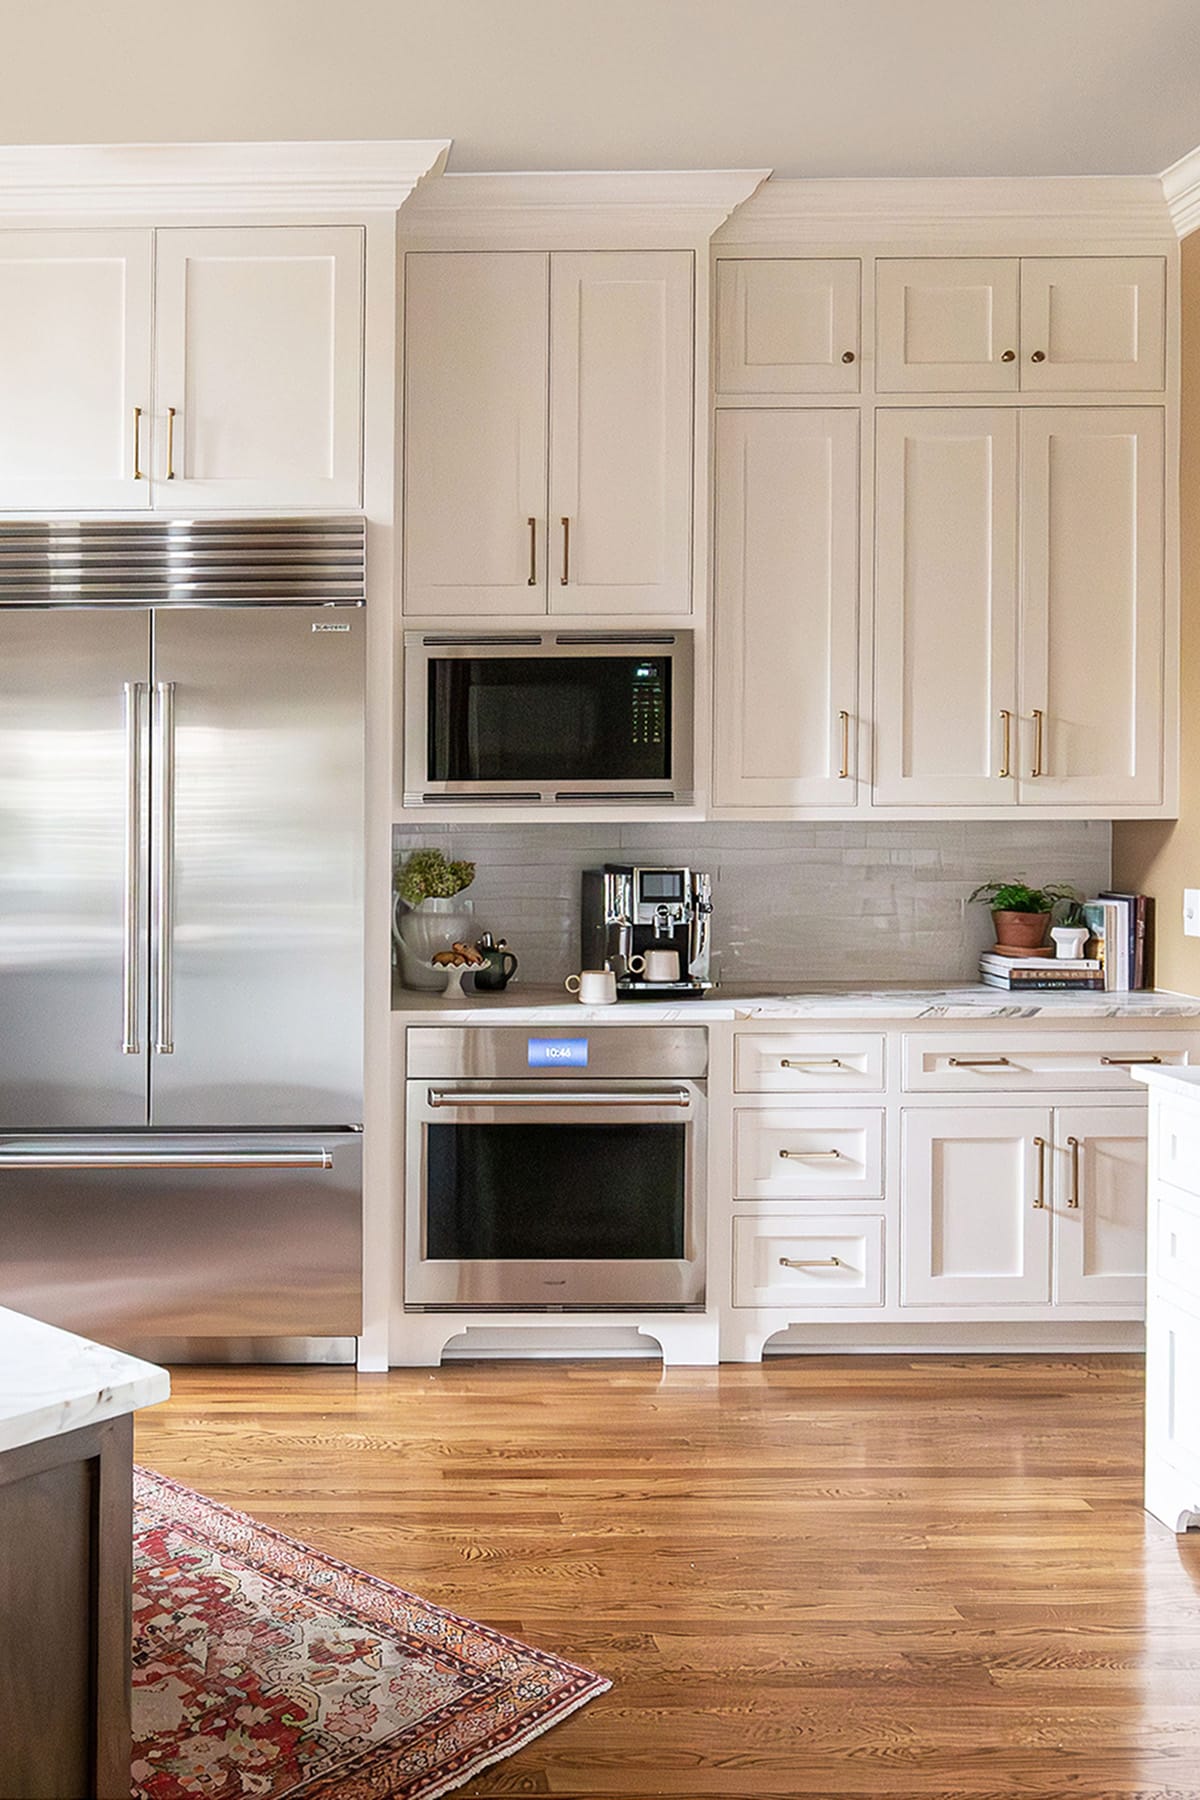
x,y
557,1097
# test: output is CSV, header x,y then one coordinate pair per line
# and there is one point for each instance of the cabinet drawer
x,y
803,1063
811,1261
986,1062
1179,1146
782,1153
1177,1260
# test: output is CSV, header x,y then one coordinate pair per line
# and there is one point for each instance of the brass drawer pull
x,y
1128,1062
812,1262
811,1155
1006,754
844,771
980,1062
170,443
812,1062
1073,1196
1039,741
564,579
847,356
137,444
532,581
1008,356
1040,1146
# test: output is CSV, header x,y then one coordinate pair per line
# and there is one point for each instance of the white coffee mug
x,y
595,987
657,965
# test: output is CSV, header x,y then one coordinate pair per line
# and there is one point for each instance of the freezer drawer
x,y
127,1237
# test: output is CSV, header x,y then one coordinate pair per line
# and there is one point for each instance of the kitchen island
x,y
66,1539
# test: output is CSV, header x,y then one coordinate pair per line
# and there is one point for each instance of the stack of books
x,y
1041,974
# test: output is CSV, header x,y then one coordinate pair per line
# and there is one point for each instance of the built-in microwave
x,y
563,718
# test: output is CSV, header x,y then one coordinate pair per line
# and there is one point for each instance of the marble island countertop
x,y
542,1006
52,1382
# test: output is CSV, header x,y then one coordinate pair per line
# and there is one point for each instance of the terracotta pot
x,y
1021,930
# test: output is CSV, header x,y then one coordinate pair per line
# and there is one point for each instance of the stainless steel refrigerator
x,y
181,870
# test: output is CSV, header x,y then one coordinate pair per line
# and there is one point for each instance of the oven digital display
x,y
557,1053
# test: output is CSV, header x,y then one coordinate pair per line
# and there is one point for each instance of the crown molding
x,y
591,208
962,210
156,180
1181,187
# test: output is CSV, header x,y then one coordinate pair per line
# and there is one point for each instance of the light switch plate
x,y
1191,912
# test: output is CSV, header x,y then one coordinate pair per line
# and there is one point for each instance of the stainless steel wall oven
x,y
555,1170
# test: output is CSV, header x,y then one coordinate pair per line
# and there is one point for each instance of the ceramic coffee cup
x,y
595,987
657,965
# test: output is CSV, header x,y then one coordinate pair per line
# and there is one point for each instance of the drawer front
x,y
804,1063
784,1153
814,1261
1177,1260
1179,1146
986,1062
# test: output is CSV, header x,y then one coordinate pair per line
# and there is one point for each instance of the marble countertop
x,y
546,1006
52,1382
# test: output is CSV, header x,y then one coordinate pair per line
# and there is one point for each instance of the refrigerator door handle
x,y
132,897
164,897
166,1159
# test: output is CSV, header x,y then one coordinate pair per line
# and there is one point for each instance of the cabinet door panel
x,y
621,431
786,607
785,325
1100,1204
476,372
946,325
972,1231
1092,607
259,350
74,367
945,606
1095,323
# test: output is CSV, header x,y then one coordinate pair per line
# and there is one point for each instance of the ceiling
x,y
805,87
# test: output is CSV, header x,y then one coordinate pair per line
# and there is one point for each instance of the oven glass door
x,y
560,1198
561,719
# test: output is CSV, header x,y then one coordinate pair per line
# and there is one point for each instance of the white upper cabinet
x,y
786,607
621,431
258,347
476,335
788,325
1092,610
548,432
1038,324
947,325
75,371
946,607
1093,323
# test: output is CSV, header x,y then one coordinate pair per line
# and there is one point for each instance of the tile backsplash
x,y
803,904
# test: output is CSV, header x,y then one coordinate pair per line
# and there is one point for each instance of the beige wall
x,y
1150,856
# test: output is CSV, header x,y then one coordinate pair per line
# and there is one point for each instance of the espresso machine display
x,y
651,927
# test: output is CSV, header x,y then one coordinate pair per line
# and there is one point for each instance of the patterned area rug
x,y
263,1669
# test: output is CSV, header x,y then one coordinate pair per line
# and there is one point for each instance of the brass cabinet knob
x,y
1038,356
1009,356
847,356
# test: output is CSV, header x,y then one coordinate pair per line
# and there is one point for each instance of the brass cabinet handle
x,y
844,771
532,553
979,1062
847,356
1009,356
810,1062
811,1155
1006,754
137,444
1039,739
1040,1147
565,577
810,1262
1038,356
170,443
1128,1062
1073,1196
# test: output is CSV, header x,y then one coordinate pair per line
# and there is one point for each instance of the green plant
x,y
1018,896
430,875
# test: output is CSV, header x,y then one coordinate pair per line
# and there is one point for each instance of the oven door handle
x,y
558,1097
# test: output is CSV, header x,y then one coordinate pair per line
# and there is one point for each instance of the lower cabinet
x,y
808,1260
1023,1204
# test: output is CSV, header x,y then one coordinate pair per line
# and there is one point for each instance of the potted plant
x,y
429,888
1022,913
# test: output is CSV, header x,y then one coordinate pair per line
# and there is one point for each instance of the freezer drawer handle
x,y
557,1097
131,903
164,899
166,1159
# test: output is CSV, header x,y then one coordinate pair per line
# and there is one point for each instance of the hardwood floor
x,y
833,1577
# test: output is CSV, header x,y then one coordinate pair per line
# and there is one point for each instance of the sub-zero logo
x,y
331,627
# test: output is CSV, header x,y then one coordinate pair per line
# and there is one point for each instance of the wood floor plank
x,y
821,1579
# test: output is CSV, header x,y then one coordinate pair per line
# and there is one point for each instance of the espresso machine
x,y
633,920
